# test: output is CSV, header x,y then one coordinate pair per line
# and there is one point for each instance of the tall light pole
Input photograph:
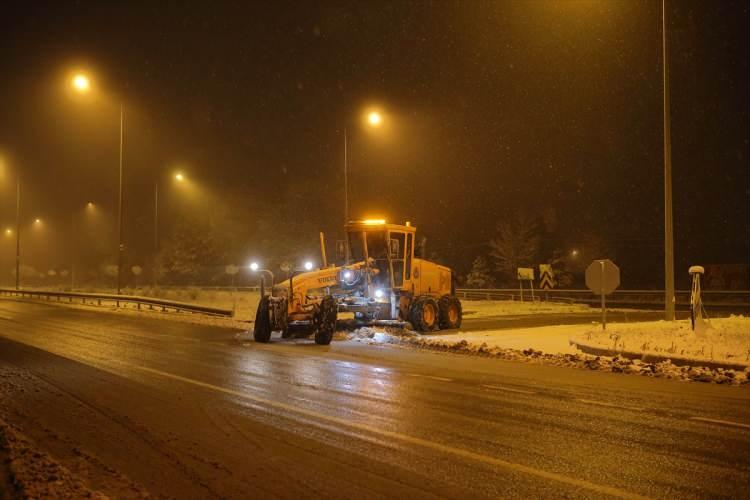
x,y
156,234
346,182
75,239
18,232
374,119
73,245
82,84
179,177
669,292
120,245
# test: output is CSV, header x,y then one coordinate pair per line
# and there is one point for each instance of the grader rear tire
x,y
451,313
262,327
424,314
325,321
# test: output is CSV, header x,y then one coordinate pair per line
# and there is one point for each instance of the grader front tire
x,y
451,313
424,314
262,327
325,321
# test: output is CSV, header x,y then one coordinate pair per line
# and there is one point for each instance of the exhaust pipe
x,y
323,259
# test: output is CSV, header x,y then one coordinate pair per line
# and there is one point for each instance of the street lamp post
x,y
74,239
75,245
346,183
156,233
669,291
120,246
18,232
179,177
374,119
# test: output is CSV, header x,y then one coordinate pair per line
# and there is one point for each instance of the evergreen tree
x,y
516,244
480,275
192,253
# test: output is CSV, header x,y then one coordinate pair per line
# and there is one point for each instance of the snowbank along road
x,y
136,404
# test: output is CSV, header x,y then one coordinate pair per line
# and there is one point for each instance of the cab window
x,y
409,243
397,261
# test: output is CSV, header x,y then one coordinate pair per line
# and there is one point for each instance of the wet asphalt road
x,y
194,411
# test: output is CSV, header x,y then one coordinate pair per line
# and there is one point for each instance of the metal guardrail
x,y
100,298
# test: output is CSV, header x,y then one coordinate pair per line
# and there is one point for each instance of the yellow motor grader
x,y
381,282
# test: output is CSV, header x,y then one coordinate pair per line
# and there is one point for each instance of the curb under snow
x,y
658,358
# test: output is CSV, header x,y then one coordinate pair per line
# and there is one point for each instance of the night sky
x,y
554,108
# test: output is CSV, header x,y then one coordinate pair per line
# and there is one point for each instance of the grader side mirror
x,y
340,250
395,248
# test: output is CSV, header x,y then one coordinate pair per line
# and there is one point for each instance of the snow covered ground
x,y
727,340
548,339
551,345
243,303
489,308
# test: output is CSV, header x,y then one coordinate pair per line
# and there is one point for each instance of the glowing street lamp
x,y
81,83
179,177
89,209
374,118
37,221
8,232
254,267
308,266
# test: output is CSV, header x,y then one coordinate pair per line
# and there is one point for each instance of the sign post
x,y
696,303
603,278
526,274
546,278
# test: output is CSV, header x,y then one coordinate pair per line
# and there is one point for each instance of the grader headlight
x,y
349,276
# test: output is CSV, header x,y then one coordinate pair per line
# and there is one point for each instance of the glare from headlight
x,y
347,275
379,293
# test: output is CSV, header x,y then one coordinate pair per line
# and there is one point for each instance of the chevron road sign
x,y
546,277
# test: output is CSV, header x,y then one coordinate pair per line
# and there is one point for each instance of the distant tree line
x,y
523,240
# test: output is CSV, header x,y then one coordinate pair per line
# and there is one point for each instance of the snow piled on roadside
x,y
550,339
35,474
490,308
728,339
614,364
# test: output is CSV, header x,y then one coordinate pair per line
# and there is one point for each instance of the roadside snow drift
x,y
726,340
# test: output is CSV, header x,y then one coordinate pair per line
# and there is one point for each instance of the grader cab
x,y
381,281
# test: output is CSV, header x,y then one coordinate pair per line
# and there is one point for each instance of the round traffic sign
x,y
602,277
